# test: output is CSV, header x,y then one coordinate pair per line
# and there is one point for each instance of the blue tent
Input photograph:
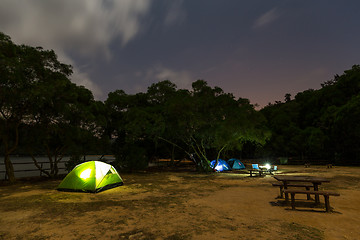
x,y
221,166
236,164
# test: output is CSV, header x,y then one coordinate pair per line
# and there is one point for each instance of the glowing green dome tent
x,y
92,176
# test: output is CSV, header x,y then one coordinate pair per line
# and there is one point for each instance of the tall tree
x,y
207,122
63,121
133,125
24,72
315,125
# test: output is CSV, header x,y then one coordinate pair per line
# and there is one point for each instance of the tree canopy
x,y
203,122
319,124
40,108
43,112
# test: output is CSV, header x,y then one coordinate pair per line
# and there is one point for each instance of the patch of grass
x,y
137,234
3,236
50,205
301,232
255,227
36,237
346,182
87,236
60,196
178,236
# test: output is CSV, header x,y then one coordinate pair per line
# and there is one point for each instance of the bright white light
x,y
268,166
85,174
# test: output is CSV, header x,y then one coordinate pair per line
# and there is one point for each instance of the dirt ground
x,y
182,205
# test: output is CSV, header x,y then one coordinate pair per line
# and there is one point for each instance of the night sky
x,y
255,49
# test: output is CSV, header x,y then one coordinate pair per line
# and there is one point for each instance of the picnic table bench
x,y
291,179
326,195
279,184
259,171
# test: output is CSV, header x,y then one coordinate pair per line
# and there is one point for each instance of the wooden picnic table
x,y
259,171
316,181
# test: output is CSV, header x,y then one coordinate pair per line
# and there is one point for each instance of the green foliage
x,y
73,161
204,122
40,108
29,79
130,158
42,112
319,124
209,122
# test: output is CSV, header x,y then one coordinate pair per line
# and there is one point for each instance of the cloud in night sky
x,y
258,50
82,27
181,78
266,18
176,14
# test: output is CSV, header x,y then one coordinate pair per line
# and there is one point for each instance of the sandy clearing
x,y
171,205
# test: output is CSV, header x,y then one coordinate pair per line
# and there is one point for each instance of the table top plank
x,y
300,178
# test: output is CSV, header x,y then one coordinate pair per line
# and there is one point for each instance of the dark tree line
x,y
175,123
319,124
43,113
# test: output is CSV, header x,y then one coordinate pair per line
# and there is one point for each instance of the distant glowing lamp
x,y
85,174
267,166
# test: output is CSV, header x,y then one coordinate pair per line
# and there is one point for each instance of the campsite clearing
x,y
181,205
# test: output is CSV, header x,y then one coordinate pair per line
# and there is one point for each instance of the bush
x,y
131,157
73,161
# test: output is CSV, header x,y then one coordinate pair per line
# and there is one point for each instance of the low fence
x,y
287,161
292,161
25,167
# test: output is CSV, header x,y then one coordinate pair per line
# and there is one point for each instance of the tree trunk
x,y
9,168
218,156
39,166
172,156
55,170
7,151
